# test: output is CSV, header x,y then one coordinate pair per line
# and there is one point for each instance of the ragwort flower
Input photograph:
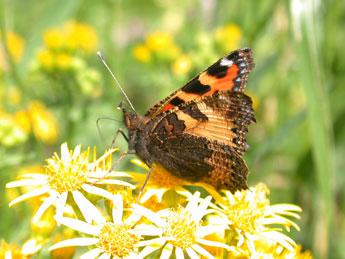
x,y
71,174
250,215
117,239
181,229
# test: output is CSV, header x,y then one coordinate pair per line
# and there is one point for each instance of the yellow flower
x,y
182,65
15,45
44,125
10,251
142,53
181,229
249,214
80,35
63,60
160,183
22,119
228,37
158,41
46,58
53,38
70,174
116,239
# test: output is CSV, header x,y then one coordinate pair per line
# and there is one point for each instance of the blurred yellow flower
x,y
22,119
46,58
10,133
15,45
80,35
10,251
158,41
142,53
228,36
44,125
53,38
63,60
182,65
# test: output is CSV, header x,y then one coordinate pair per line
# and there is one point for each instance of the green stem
x,y
9,58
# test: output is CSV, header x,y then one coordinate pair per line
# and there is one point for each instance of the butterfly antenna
x,y
99,54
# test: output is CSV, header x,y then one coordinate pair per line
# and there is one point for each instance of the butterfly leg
x,y
147,179
115,137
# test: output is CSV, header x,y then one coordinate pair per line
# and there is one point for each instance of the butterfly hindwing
x,y
228,73
198,159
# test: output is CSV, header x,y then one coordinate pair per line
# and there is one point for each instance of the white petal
x,y
91,254
26,182
193,202
149,230
155,242
282,239
167,251
192,253
202,251
65,155
89,211
79,241
30,194
150,215
45,205
34,176
112,182
80,226
117,208
60,204
179,253
150,192
76,152
212,243
104,256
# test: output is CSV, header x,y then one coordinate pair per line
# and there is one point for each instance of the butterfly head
x,y
131,119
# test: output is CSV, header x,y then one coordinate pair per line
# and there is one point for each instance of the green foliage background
x,y
297,144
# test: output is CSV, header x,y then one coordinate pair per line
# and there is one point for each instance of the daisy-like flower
x,y
117,239
182,230
70,174
250,215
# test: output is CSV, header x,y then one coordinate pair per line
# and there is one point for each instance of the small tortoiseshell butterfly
x,y
198,133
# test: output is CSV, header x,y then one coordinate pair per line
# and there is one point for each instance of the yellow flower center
x,y
248,211
181,228
116,240
68,174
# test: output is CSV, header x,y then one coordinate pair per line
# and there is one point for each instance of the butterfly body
x,y
198,133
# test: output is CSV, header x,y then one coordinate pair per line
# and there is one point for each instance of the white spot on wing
x,y
226,62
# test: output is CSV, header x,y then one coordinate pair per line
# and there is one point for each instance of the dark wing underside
x,y
204,139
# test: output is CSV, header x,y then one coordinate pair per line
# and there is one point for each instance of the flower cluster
x,y
63,53
15,128
161,47
239,225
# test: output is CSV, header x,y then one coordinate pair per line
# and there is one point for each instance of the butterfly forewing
x,y
228,73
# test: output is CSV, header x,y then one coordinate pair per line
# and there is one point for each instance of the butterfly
x,y
198,133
